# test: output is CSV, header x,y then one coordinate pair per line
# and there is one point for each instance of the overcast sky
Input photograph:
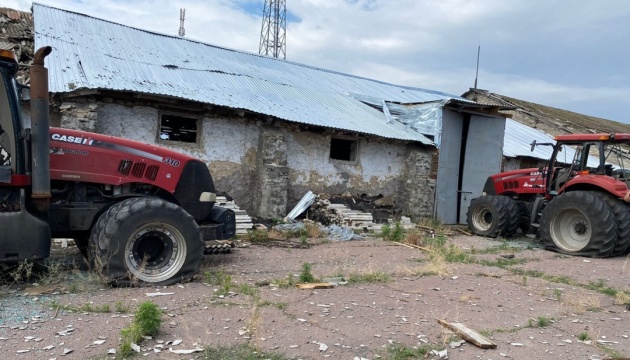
x,y
570,54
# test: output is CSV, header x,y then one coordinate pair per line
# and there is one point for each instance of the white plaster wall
x,y
379,166
221,139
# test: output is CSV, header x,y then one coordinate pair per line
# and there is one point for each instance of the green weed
x,y
306,276
371,277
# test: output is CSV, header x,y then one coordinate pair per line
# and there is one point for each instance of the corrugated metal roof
x,y
90,53
518,139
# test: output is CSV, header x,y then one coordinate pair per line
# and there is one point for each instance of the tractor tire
x,y
622,216
82,245
524,216
578,223
146,241
493,215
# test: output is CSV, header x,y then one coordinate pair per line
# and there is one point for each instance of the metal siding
x,y
90,53
482,158
446,193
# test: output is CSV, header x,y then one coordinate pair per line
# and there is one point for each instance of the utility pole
x,y
182,15
273,33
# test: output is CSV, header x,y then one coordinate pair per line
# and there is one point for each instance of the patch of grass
x,y
220,279
543,321
285,283
257,235
622,298
87,307
306,276
146,322
239,352
399,352
600,286
278,305
314,231
393,233
247,289
370,277
501,263
121,307
610,352
583,336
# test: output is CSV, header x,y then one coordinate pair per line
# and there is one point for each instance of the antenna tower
x,y
273,33
182,15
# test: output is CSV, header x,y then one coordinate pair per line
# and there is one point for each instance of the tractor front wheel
x,y
147,240
492,216
578,223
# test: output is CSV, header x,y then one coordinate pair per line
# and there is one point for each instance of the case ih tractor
x,y
573,208
137,212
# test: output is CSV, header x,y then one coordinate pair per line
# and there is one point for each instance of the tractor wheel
x,y
82,245
524,215
578,223
149,240
622,215
492,216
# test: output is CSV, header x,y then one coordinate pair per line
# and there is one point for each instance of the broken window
x,y
344,149
179,128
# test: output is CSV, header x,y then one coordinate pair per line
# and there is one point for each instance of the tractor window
x,y
6,126
179,128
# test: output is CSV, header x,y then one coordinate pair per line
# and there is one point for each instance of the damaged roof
x,y
90,53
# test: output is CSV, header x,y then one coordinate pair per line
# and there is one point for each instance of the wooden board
x,y
469,335
315,286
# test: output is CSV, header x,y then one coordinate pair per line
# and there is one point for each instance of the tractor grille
x,y
124,167
138,170
152,172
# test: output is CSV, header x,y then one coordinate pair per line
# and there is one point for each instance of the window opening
x,y
343,149
178,128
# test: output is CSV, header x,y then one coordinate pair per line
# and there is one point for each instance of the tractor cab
x,y
592,165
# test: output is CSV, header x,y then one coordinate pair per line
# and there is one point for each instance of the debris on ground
x,y
469,335
333,232
311,286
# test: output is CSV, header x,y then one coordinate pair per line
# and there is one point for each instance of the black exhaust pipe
x,y
40,127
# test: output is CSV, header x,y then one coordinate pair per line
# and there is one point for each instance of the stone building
x,y
270,130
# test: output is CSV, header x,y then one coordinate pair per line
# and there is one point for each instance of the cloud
x,y
561,53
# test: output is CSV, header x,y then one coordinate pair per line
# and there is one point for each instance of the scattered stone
x,y
159,294
456,344
99,342
111,351
441,354
516,344
184,352
23,351
135,347
67,351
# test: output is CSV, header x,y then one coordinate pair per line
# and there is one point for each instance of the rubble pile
x,y
361,212
17,34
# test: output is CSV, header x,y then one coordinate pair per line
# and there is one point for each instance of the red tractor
x,y
137,212
574,205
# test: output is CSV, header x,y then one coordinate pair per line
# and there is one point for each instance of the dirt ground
x,y
537,305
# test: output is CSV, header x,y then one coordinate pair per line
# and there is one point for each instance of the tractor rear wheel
x,y
493,215
622,215
578,223
147,240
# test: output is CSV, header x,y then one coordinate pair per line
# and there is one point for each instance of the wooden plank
x,y
469,335
315,286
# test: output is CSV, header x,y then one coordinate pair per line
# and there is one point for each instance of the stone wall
x,y
268,166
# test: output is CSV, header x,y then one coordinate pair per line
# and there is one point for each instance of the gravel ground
x,y
503,298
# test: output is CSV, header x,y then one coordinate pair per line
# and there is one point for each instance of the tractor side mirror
x,y
533,145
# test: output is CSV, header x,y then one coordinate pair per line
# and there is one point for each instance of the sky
x,y
569,54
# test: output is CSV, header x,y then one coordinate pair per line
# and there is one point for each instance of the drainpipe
x,y
40,125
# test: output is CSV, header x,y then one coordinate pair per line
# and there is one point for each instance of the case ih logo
x,y
72,139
